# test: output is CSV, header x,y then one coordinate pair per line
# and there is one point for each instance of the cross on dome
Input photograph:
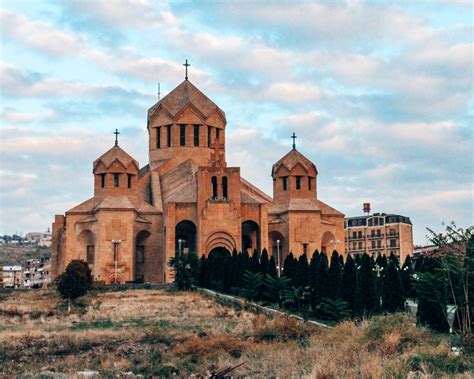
x,y
186,65
294,140
116,136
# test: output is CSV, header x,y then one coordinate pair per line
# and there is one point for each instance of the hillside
x,y
18,254
162,332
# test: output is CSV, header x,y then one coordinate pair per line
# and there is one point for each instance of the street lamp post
x,y
278,257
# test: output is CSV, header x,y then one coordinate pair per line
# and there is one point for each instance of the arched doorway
x,y
219,269
87,246
250,236
328,243
220,239
140,256
185,236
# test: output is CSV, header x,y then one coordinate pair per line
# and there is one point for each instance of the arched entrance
x,y
328,243
250,236
185,236
87,247
140,256
220,239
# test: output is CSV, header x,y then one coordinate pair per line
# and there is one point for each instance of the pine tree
x,y
302,267
264,262
272,271
406,275
349,285
392,296
335,275
322,280
367,296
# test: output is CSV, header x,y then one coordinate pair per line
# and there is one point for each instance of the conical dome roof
x,y
184,94
293,158
113,154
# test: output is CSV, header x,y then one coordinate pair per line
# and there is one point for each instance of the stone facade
x,y
188,198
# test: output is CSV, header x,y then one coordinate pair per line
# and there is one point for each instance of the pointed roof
x,y
291,159
184,94
113,154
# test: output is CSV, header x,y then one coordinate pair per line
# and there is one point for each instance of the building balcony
x,y
375,236
352,238
393,235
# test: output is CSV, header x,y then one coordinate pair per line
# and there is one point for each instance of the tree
x,y
252,285
313,270
335,276
394,258
301,277
272,271
185,270
406,275
392,296
255,262
204,272
264,262
333,309
381,261
322,280
75,281
289,267
275,289
367,292
349,285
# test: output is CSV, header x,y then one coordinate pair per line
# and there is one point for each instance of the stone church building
x,y
187,199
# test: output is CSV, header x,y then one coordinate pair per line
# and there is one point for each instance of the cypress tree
x,y
227,272
367,292
381,261
204,272
289,268
235,269
406,275
272,271
313,270
264,262
418,264
302,268
394,258
349,285
358,260
255,262
335,275
392,296
322,280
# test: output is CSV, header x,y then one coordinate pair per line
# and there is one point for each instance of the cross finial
x,y
186,65
294,140
116,136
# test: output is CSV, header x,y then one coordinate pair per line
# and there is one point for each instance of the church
x,y
187,199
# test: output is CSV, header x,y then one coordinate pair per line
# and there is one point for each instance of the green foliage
x,y
321,288
252,285
392,295
75,281
185,269
333,309
272,271
276,289
406,275
367,296
297,298
349,285
289,268
301,274
313,270
264,262
335,276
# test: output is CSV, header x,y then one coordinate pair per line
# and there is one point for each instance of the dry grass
x,y
162,333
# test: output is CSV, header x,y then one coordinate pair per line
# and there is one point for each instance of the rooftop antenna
x,y
158,91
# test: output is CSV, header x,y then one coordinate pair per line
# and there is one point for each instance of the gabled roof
x,y
293,158
250,194
179,185
116,153
113,202
184,94
306,205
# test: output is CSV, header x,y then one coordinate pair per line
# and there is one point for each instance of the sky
x,y
379,93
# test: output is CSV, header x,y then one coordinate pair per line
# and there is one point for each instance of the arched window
x,y
214,187
224,187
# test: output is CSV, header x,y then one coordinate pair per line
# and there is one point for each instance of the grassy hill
x,y
161,332
18,254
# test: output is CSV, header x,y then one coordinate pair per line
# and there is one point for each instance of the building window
x,y
90,254
371,222
208,136
102,180
360,233
376,222
285,183
392,219
224,187
309,183
393,243
359,222
116,180
360,245
214,187
373,244
379,244
378,233
182,135
158,137
298,182
196,135
381,221
217,133
354,234
168,135
129,180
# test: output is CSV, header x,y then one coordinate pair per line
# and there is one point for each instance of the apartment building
x,y
379,234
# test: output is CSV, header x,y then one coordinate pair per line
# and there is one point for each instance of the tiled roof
x,y
113,202
250,194
184,94
313,205
115,153
291,159
180,184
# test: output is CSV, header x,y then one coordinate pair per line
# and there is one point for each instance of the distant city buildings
x,y
12,276
34,238
36,273
379,234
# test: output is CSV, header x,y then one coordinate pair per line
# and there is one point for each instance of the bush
x,y
75,281
186,270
